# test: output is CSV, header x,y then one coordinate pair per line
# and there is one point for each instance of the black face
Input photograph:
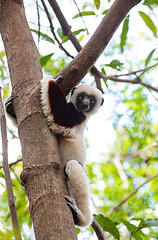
x,y
85,102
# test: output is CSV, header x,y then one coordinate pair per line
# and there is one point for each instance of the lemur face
x,y
85,102
86,99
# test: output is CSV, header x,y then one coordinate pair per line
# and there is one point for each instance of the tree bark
x,y
43,175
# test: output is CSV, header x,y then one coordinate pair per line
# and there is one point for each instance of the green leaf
x,y
105,11
149,23
151,3
78,230
124,33
13,134
107,225
115,64
132,228
44,36
79,31
45,59
60,33
97,3
65,38
84,13
149,57
147,223
2,185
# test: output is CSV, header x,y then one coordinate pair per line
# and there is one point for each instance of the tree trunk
x,y
43,175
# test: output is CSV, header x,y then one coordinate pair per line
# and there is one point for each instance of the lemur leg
x,y
79,192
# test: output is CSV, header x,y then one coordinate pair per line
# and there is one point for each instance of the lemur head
x,y
86,99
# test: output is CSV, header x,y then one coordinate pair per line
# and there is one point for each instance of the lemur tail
x,y
79,199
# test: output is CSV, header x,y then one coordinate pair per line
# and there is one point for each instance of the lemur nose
x,y
85,102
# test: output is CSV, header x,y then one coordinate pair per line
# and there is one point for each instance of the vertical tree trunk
x,y
42,175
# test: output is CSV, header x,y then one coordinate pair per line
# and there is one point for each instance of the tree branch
x,y
136,80
13,163
67,32
137,71
130,195
86,58
97,74
120,171
98,230
10,195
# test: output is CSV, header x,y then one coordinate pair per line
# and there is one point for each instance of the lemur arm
x,y
56,109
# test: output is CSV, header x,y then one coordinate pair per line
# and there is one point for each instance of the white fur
x,y
72,151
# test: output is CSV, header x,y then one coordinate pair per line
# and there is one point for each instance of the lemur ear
x,y
72,91
102,101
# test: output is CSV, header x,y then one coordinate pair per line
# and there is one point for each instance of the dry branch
x,y
10,195
136,80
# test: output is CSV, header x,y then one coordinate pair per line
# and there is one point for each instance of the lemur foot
x,y
72,204
72,165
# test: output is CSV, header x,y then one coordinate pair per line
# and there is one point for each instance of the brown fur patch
x,y
65,114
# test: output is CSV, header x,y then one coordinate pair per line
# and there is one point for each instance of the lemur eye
x,y
92,101
80,97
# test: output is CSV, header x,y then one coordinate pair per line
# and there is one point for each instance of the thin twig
x,y
130,195
52,30
136,80
120,170
13,163
137,71
16,229
81,16
38,17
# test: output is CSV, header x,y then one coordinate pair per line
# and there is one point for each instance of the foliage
x,y
21,202
135,152
132,158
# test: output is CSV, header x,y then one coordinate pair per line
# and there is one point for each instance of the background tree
x,y
130,162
